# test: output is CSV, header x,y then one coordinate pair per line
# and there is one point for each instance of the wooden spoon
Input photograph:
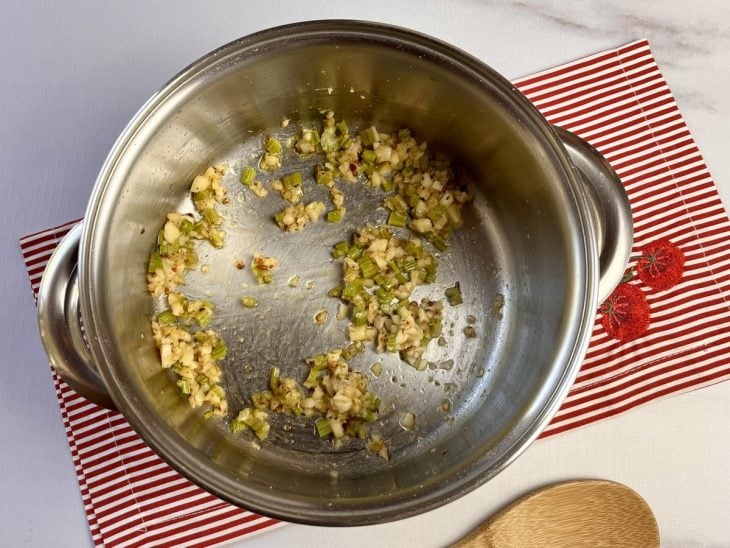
x,y
591,513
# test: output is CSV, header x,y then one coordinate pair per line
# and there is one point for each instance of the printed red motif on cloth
x,y
626,314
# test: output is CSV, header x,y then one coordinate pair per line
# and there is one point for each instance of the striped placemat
x,y
618,101
131,496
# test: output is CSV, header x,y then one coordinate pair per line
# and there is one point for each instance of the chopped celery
x,y
155,262
397,219
375,294
184,386
307,143
279,218
352,289
413,200
370,136
216,239
248,174
203,317
435,213
383,296
396,203
388,308
379,279
354,252
311,379
319,361
359,316
342,128
367,415
292,180
372,401
412,247
328,140
367,267
201,379
356,429
317,365
274,377
166,317
186,226
430,273
340,249
324,176
219,351
439,243
410,264
206,194
261,268
324,428
368,156
453,294
390,344
435,327
335,215
212,216
352,350
272,146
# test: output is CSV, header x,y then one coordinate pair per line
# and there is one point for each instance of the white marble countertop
x,y
75,72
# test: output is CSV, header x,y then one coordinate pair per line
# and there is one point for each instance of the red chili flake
x,y
625,313
661,265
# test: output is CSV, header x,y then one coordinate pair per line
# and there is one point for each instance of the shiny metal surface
x,y
60,324
610,209
529,239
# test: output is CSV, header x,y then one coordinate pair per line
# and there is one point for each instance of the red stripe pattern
x,y
131,496
619,102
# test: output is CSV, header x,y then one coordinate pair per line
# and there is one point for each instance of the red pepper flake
x,y
625,313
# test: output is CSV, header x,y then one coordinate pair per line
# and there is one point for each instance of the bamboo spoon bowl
x,y
590,513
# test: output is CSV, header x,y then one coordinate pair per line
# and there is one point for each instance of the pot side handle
x,y
609,208
60,323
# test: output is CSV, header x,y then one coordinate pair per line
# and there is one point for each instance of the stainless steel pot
x,y
549,232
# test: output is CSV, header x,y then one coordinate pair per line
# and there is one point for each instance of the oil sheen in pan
x,y
280,331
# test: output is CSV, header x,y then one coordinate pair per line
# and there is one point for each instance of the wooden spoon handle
x,y
590,513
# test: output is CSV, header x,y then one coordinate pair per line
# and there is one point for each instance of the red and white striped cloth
x,y
131,496
618,101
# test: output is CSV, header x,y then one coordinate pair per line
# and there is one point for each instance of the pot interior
x,y
523,244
